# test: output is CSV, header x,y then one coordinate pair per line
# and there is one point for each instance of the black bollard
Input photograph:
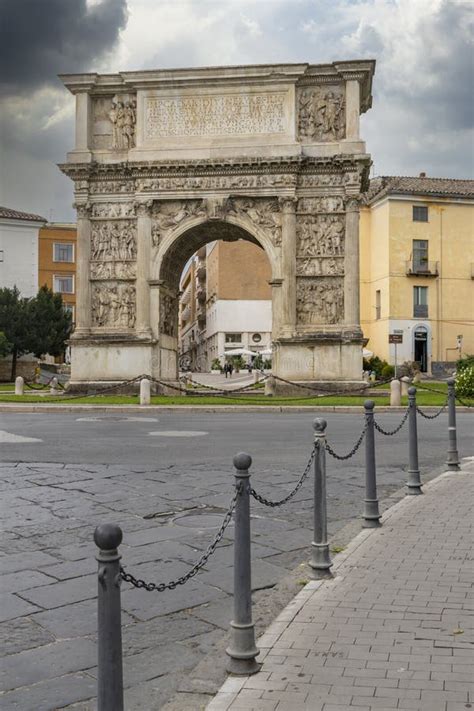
x,y
107,538
413,479
242,649
453,456
371,502
320,562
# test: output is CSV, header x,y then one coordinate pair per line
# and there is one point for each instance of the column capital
x,y
83,209
352,203
143,207
287,204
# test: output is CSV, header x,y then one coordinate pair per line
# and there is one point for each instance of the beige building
x,y
57,261
225,303
416,269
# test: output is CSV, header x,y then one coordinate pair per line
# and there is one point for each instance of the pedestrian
x,y
226,369
230,369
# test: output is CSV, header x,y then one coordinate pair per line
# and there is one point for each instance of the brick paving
x,y
392,630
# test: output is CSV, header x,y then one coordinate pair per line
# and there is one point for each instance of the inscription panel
x,y
201,116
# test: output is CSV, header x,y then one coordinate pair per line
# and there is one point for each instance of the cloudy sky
x,y
421,120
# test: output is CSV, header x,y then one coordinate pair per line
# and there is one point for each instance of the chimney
x,y
422,175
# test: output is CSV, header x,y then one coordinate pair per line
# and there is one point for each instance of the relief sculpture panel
x,y
320,236
113,305
215,182
168,314
113,122
113,241
326,203
321,113
167,214
320,300
263,212
107,210
319,266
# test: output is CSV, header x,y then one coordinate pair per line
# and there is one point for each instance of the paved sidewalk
x,y
392,630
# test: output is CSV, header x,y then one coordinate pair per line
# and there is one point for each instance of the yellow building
x,y
57,261
416,269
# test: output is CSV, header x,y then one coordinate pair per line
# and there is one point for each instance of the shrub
x,y
466,361
409,368
267,364
388,371
465,381
216,364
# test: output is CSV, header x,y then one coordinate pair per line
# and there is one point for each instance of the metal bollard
x,y
320,562
395,393
453,456
145,391
242,649
19,385
371,502
413,480
107,538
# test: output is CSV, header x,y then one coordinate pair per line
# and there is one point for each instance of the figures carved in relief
x,y
168,314
320,236
320,301
263,212
112,270
113,240
113,210
113,305
123,116
321,114
169,214
327,203
216,182
319,266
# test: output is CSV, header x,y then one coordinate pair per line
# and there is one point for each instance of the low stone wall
x,y
25,368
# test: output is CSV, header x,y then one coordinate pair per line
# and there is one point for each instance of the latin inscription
x,y
210,115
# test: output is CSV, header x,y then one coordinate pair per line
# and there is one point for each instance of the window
x,y
63,252
420,301
257,337
378,304
63,284
420,255
233,338
1,255
420,213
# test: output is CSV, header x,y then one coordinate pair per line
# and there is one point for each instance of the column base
x,y
242,650
320,563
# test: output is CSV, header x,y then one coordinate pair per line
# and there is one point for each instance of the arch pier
x,y
166,161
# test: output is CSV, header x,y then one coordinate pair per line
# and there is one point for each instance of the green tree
x,y
50,324
5,346
14,323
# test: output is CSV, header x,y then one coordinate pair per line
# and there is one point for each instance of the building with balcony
x,y
416,255
225,303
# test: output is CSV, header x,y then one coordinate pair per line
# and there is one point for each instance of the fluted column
x,y
83,286
351,264
143,268
288,258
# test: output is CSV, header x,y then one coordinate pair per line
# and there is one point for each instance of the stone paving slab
x,y
394,627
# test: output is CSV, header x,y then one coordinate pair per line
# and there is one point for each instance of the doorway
x,y
420,349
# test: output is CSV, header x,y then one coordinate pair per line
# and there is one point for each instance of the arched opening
x,y
420,347
215,301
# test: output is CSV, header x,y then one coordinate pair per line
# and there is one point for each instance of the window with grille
x,y
420,301
420,213
63,252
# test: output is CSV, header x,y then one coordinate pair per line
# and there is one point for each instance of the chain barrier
x,y
343,457
365,386
220,391
390,433
161,587
303,477
437,414
431,390
94,393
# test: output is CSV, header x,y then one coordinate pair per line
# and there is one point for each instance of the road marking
x,y
9,438
178,433
116,419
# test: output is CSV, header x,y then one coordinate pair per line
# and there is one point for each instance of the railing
x,y
422,268
242,650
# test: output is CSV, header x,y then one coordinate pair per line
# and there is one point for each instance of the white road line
x,y
9,438
178,433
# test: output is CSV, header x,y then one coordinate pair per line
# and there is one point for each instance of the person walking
x,y
230,369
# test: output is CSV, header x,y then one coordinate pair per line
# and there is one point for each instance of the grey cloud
x,y
41,38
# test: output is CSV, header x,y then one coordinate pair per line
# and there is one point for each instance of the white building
x,y
19,250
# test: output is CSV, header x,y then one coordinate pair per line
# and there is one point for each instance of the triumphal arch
x,y
168,160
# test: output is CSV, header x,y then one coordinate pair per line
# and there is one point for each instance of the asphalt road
x,y
168,481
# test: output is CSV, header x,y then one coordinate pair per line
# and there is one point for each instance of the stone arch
x,y
172,254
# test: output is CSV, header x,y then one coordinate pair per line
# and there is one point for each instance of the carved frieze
x,y
326,203
107,210
113,305
320,266
319,301
168,314
320,180
215,182
263,212
201,115
167,214
321,113
319,236
98,187
113,270
113,241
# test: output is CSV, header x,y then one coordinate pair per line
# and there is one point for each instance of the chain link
x,y
390,433
273,504
161,587
343,457
437,414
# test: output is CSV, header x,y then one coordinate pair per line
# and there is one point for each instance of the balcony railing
x,y
420,311
421,268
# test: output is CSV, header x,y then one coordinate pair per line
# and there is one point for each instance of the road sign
x,y
395,338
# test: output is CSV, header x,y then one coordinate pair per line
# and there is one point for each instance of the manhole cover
x,y
200,521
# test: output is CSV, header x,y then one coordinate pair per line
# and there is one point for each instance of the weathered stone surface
x,y
52,694
13,606
63,593
21,634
